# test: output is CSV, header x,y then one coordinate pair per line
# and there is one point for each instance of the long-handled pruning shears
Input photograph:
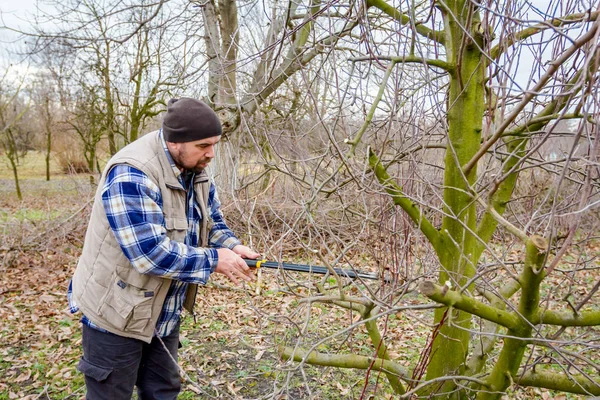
x,y
315,269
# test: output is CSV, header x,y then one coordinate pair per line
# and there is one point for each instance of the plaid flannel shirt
x,y
133,205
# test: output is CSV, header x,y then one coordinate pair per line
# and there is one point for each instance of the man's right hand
x,y
233,266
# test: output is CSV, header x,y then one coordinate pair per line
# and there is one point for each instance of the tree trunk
x,y
229,37
48,126
13,167
213,39
109,121
465,116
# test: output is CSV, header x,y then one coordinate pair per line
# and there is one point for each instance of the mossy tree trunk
x,y
48,118
465,104
11,152
144,103
12,138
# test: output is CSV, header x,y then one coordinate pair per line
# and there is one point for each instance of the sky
x,y
14,13
18,13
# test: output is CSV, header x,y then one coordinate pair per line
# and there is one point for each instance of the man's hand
x,y
231,265
245,252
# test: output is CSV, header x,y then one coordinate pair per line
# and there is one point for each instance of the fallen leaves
x,y
40,353
229,352
259,355
23,377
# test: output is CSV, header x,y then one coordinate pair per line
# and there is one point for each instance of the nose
x,y
210,152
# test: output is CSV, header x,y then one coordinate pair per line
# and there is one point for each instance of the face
x,y
194,156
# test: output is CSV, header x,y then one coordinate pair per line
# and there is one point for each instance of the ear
x,y
173,148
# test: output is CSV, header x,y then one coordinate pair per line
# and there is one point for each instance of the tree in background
x,y
87,120
44,97
280,43
142,53
129,51
14,138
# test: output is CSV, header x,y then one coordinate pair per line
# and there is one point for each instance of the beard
x,y
188,165
200,166
196,168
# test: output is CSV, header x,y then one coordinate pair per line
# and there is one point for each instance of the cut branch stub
x,y
427,288
540,242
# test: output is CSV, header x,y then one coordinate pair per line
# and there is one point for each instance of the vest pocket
x,y
176,228
127,307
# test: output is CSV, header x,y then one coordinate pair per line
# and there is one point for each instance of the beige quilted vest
x,y
106,287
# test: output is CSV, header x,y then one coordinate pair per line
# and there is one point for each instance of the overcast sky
x,y
13,13
18,14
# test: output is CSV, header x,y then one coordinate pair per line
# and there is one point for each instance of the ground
x,y
230,351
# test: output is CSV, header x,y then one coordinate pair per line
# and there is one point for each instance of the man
x,y
155,232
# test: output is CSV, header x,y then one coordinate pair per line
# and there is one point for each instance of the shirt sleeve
x,y
220,235
133,205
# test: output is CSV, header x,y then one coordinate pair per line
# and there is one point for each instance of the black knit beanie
x,y
188,120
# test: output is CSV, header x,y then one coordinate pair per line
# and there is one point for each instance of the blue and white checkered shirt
x,y
133,205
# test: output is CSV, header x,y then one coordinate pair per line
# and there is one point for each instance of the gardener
x,y
156,231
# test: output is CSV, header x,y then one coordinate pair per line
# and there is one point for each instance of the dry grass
x,y
31,166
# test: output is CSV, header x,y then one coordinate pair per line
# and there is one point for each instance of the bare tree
x,y
87,120
293,39
129,50
13,138
44,97
453,135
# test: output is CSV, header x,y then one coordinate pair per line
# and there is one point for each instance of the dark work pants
x,y
113,364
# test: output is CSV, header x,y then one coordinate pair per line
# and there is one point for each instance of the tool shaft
x,y
315,269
